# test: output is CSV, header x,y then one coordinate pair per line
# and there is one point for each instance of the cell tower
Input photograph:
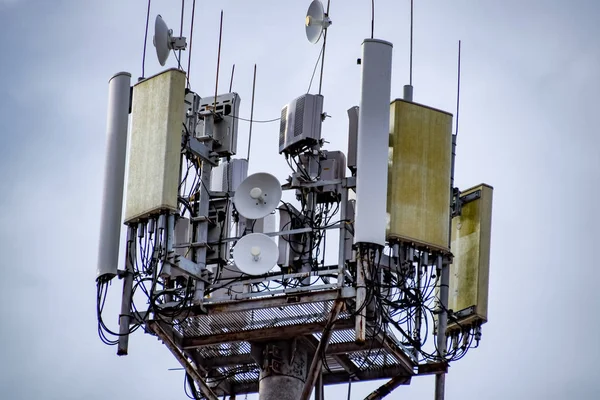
x,y
233,280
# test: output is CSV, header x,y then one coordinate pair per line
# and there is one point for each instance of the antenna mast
x,y
218,60
408,89
251,112
323,55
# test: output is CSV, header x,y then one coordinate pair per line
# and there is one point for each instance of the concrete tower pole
x,y
283,369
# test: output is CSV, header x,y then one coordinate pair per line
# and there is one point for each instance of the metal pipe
x,y
203,208
317,362
251,111
440,379
324,47
342,244
114,173
125,316
387,387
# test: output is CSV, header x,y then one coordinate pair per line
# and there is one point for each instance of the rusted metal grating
x,y
331,364
240,374
341,336
373,359
272,317
224,350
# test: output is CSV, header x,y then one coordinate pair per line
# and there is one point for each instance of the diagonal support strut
x,y
317,361
189,368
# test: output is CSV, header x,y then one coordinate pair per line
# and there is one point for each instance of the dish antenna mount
x,y
255,254
316,21
257,196
164,41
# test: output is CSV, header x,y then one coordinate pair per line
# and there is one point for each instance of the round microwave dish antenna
x,y
255,254
163,39
257,196
316,21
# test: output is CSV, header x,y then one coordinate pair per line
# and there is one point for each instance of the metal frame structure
x,y
366,317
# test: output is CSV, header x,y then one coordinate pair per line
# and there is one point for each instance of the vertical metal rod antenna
x,y
189,66
146,38
411,45
323,55
218,60
181,30
457,92
251,114
408,89
372,18
231,80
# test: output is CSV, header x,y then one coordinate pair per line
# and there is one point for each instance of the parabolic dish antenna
x,y
255,254
164,41
257,196
316,21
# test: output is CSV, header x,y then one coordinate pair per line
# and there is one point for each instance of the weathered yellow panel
x,y
469,273
420,154
154,153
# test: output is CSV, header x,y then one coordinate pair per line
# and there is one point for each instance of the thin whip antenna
x,y
372,18
146,38
231,81
251,114
410,80
181,30
457,92
191,40
323,55
408,89
218,61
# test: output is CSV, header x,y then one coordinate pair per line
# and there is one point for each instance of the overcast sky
x,y
528,126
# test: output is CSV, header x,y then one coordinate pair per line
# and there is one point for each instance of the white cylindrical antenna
x,y
114,174
373,142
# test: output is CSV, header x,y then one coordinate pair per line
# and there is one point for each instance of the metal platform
x,y
216,340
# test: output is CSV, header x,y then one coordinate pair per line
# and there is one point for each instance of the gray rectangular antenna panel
x,y
300,123
156,125
227,176
227,108
352,137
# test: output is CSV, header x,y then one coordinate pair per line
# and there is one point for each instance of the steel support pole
x,y
342,243
440,379
125,316
203,207
319,389
313,170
